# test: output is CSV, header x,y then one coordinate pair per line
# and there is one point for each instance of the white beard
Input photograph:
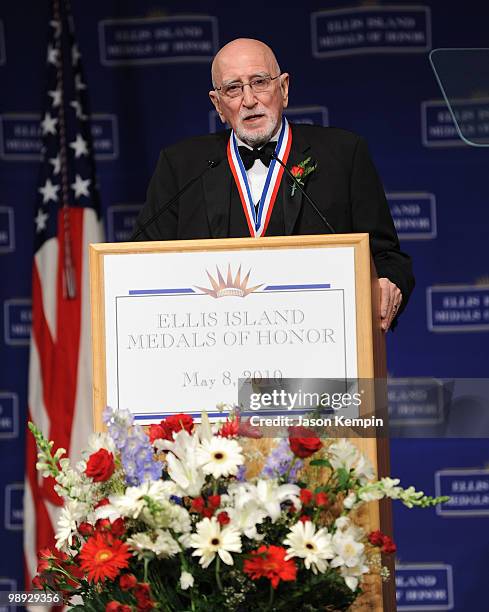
x,y
257,138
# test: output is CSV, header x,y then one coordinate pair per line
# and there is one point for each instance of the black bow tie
x,y
249,156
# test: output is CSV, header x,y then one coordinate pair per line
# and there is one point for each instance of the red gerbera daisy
x,y
269,562
102,558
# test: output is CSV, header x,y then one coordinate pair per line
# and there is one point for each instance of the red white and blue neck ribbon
x,y
258,220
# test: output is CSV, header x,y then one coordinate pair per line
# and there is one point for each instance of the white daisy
x,y
219,457
210,540
313,546
186,580
71,513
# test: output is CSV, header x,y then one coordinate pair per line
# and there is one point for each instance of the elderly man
x,y
241,190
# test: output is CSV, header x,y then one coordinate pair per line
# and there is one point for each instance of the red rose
x,y
304,518
303,442
321,499
214,501
142,592
388,545
103,502
127,581
305,496
223,518
198,504
376,538
102,525
118,527
297,171
85,529
155,432
207,512
177,422
100,465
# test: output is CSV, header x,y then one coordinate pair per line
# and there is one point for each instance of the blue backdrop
x,y
363,68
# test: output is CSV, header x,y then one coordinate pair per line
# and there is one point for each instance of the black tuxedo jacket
x,y
345,187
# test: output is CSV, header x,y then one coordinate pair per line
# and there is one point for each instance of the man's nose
x,y
249,99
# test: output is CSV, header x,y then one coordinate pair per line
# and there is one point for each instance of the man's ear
x,y
217,104
284,88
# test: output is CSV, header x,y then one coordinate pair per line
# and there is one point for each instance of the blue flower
x,y
279,463
137,454
241,475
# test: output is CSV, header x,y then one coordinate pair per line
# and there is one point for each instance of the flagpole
x,y
69,286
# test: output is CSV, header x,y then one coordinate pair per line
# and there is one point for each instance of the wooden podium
x,y
158,320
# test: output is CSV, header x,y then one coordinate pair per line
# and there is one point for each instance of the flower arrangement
x,y
300,172
170,519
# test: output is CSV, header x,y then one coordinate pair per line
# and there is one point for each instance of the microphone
x,y
299,186
211,163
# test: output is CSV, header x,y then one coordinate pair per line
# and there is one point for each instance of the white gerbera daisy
x,y
219,456
210,540
313,546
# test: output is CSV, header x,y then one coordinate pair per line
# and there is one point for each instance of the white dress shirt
x,y
257,174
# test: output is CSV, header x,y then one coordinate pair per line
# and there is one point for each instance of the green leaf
x,y
343,477
320,463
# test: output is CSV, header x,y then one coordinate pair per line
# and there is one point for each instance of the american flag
x,y
66,220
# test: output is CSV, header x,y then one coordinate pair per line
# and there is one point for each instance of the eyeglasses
x,y
258,84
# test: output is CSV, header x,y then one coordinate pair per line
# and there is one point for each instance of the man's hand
x,y
390,300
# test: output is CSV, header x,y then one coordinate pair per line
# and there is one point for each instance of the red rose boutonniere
x,y
301,171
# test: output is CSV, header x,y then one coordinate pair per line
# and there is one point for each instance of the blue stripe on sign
x,y
145,417
156,291
292,287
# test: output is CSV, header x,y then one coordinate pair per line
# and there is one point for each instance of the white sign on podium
x,y
182,327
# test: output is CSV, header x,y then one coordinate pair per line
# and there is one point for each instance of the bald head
x,y
242,51
260,91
